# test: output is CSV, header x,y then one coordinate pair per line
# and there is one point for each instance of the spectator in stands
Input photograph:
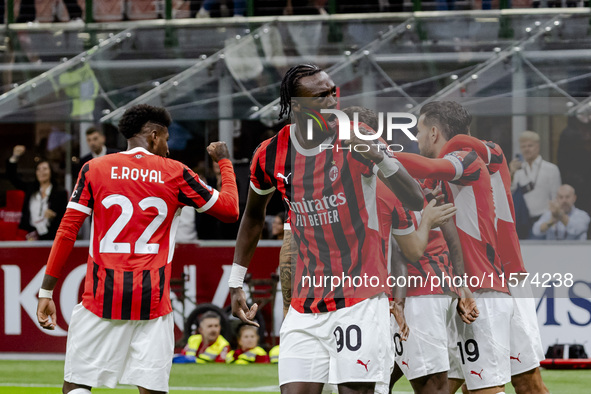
x,y
45,202
249,351
537,179
95,138
574,152
563,220
205,10
274,354
209,345
277,226
28,10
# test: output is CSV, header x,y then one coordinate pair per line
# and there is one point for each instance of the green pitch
x,y
45,377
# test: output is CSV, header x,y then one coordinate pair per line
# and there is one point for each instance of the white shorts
x,y
353,344
104,352
479,352
425,351
526,343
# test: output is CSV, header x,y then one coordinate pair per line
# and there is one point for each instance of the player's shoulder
x,y
277,142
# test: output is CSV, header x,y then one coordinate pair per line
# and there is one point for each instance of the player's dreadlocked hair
x,y
290,84
136,117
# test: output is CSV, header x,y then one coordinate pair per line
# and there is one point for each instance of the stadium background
x,y
515,69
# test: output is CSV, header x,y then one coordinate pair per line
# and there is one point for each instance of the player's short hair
x,y
450,117
209,315
290,83
134,119
529,136
93,129
365,115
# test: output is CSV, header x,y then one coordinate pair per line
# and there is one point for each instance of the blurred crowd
x,y
552,200
121,10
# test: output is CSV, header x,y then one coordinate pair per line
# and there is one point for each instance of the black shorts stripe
x,y
127,295
146,296
162,273
196,185
108,294
95,278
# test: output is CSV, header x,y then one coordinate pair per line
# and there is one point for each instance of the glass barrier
x,y
220,78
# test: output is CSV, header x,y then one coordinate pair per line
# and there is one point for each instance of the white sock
x,y
80,391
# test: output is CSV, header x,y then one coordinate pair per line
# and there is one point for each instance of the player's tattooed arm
x,y
466,308
399,268
286,256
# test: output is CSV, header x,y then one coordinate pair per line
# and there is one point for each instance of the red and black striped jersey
x,y
331,196
507,238
135,199
466,183
435,261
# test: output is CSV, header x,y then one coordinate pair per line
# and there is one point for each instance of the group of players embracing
x,y
446,212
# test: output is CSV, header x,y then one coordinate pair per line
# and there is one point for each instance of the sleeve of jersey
x,y
259,179
490,152
225,208
446,169
64,241
463,141
402,223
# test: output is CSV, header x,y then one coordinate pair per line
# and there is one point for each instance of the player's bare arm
x,y
285,269
62,246
413,245
249,233
399,269
466,308
392,173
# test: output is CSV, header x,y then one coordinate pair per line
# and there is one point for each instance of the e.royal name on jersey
x,y
136,174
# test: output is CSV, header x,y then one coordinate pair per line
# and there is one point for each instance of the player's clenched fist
x,y
218,151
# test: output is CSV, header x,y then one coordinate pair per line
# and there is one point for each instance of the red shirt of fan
x,y
331,196
435,261
135,199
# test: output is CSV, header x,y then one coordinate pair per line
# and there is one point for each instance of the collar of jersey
x,y
136,150
301,150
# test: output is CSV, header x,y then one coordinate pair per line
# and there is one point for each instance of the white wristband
x,y
388,166
237,276
43,293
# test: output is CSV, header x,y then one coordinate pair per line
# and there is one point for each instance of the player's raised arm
x,y
391,172
226,206
421,167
